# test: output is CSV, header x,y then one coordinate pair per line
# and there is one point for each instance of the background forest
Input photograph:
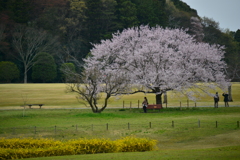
x,y
40,37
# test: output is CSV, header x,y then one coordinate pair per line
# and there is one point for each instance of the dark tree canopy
x,y
80,23
67,70
44,69
237,36
8,71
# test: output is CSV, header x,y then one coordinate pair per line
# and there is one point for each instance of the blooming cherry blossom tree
x,y
156,60
97,83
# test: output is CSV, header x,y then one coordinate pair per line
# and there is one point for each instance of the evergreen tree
x,y
8,71
184,7
20,10
127,13
151,12
93,24
3,5
237,36
44,69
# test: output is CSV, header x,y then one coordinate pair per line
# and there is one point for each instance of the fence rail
x,y
137,104
107,127
183,103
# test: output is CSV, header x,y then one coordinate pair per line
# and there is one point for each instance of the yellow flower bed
x,y
16,143
25,148
133,144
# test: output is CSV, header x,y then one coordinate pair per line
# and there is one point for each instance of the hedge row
x,y
27,148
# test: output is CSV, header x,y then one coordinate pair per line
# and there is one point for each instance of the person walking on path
x,y
216,99
225,95
145,104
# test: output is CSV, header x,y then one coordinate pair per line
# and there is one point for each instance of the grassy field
x,y
186,138
198,132
12,96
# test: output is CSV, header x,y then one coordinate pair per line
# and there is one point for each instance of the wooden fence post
x,y
130,104
138,104
107,127
123,104
187,103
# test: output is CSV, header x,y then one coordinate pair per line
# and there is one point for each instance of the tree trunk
x,y
94,110
159,98
25,75
230,93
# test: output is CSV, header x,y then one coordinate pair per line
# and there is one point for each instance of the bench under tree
x,y
154,107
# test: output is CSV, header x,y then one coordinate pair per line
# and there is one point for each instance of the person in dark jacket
x,y
225,95
216,99
145,104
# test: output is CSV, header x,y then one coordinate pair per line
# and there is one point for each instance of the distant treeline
x,y
63,31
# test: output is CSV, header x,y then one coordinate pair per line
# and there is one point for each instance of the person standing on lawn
x,y
225,95
216,99
145,104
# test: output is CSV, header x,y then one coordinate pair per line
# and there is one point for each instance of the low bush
x,y
16,143
26,148
91,146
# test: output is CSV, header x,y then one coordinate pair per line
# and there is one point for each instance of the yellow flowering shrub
x,y
28,147
7,153
28,143
133,144
91,146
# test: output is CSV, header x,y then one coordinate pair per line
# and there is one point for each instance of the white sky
x,y
226,12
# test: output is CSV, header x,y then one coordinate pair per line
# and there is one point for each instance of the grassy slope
x,y
54,96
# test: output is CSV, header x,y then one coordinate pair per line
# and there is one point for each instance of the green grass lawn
x,y
220,153
186,140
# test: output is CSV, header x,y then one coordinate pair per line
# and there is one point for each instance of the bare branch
x,y
29,42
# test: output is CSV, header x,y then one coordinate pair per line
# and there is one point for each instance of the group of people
x,y
216,99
